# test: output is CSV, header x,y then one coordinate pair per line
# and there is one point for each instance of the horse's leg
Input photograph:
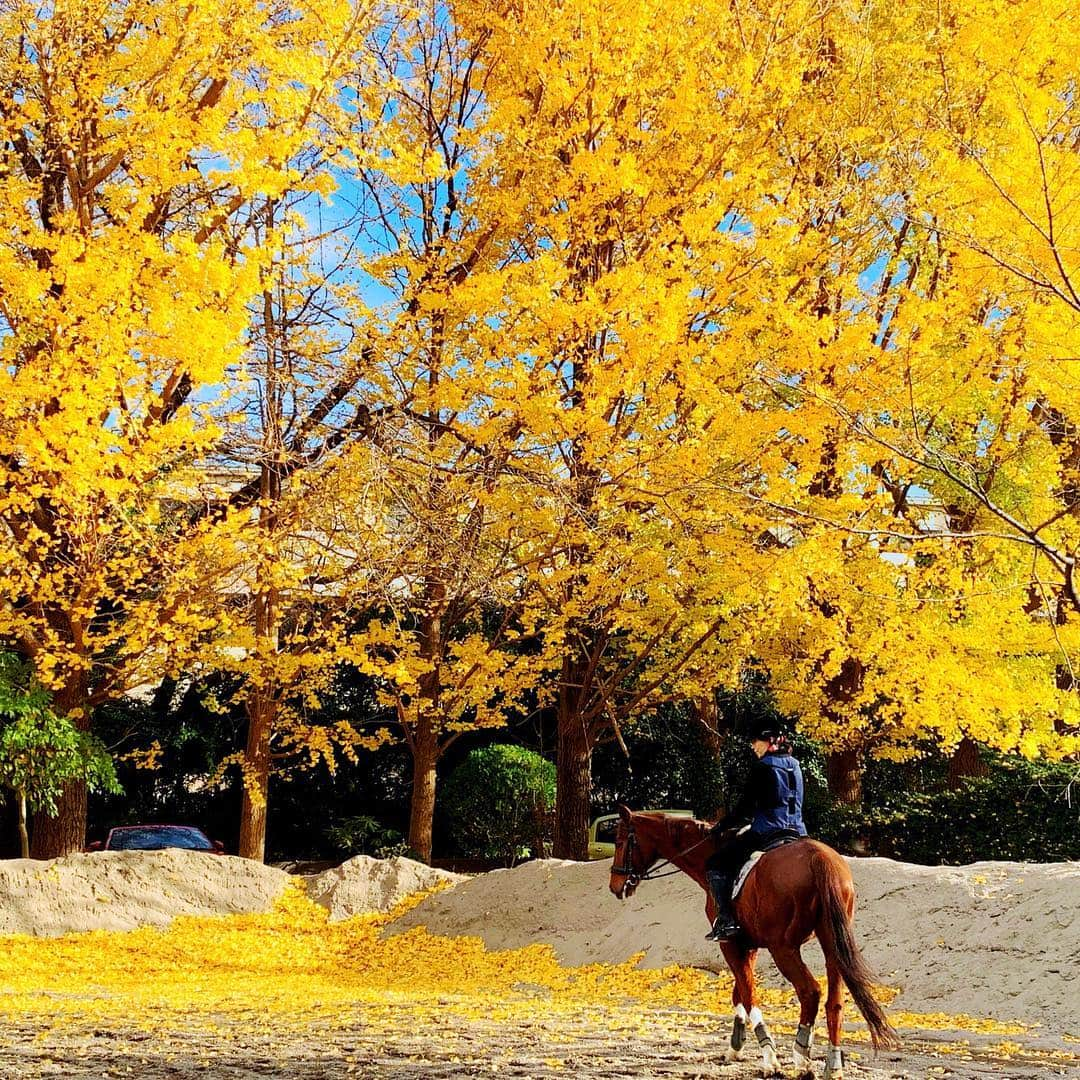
x,y
834,1016
741,963
794,969
747,1012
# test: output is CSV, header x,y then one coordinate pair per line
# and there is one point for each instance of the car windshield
x,y
150,837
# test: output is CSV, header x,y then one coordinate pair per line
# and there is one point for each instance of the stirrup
x,y
723,931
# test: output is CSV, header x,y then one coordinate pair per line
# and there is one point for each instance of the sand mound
x,y
120,890
365,884
991,939
999,940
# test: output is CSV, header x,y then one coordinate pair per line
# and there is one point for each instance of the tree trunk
x,y
54,837
425,755
262,702
844,772
843,768
261,714
709,723
24,836
573,782
966,761
64,833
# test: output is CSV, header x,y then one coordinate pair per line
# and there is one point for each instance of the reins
x,y
633,877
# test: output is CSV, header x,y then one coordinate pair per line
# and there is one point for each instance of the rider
x,y
772,805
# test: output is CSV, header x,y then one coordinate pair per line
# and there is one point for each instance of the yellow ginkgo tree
x,y
685,197
134,138
929,517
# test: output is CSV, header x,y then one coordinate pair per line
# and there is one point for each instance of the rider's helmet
x,y
771,734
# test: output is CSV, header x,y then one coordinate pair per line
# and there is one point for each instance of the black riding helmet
x,y
771,734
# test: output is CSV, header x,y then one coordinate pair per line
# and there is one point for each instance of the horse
x,y
793,892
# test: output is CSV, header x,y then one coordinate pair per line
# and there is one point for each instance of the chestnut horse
x,y
795,891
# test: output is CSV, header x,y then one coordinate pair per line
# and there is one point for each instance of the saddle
x,y
751,862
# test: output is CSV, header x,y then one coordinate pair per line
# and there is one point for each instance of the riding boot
x,y
724,925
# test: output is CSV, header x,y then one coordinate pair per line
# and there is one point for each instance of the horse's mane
x,y
673,835
677,831
680,837
683,831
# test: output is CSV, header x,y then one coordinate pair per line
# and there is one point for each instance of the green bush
x,y
1020,811
499,800
365,835
41,752
1023,810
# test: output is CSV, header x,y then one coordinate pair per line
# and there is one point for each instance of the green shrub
x,y
1020,811
1023,810
499,800
42,752
365,835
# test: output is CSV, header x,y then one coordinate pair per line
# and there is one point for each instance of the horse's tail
x,y
835,934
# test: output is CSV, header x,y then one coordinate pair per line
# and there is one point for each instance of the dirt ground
x,y
301,994
400,1041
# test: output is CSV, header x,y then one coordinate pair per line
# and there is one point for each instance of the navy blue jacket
x,y
774,797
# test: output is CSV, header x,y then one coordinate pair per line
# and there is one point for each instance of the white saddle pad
x,y
744,873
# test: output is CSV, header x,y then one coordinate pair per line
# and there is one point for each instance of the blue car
x,y
157,837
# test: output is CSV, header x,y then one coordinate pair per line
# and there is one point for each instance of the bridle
x,y
633,878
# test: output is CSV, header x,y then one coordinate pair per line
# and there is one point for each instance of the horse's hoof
x,y
770,1063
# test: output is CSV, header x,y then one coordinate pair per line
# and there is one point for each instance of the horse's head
x,y
635,852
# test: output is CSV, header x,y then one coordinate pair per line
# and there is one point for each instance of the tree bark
x,y
710,725
966,761
64,833
425,755
573,780
843,768
844,772
261,714
262,701
24,836
424,738
54,837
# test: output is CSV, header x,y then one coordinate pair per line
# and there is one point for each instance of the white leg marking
x,y
770,1063
738,1033
738,1030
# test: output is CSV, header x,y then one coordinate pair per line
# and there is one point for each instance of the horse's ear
x,y
624,812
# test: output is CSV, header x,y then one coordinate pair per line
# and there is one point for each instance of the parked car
x,y
602,832
157,837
